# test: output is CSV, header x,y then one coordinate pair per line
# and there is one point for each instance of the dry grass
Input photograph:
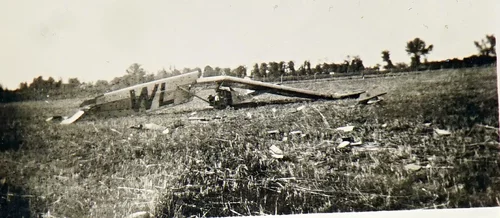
x,y
224,167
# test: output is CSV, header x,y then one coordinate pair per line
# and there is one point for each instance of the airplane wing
x,y
275,89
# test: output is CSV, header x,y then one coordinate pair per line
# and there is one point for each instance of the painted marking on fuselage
x,y
146,100
162,96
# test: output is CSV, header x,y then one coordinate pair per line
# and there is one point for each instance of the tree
x,y
326,68
307,68
101,83
487,47
318,69
186,70
217,71
23,86
417,48
401,66
51,82
240,71
291,67
208,71
176,72
135,75
197,69
273,69
386,57
135,69
226,71
357,64
255,71
282,68
263,69
73,82
162,74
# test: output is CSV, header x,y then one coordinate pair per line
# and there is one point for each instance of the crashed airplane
x,y
179,89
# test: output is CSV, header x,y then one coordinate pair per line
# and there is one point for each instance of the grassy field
x,y
223,167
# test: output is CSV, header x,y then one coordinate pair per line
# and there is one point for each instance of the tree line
x,y
417,49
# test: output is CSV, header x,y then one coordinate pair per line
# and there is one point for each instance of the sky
x,y
99,39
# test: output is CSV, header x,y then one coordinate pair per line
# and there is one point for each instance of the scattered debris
x,y
301,108
141,214
370,146
384,125
427,124
276,152
487,127
152,126
323,117
149,126
273,132
166,131
412,167
249,115
371,99
114,130
56,118
205,119
343,144
296,132
442,132
199,119
356,143
73,118
346,128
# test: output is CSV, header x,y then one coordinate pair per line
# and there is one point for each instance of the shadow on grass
x,y
10,137
15,199
14,202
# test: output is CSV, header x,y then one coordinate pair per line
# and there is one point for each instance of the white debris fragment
x,y
373,101
276,152
274,110
384,125
114,130
273,132
285,139
346,128
192,114
412,167
295,132
301,108
141,214
427,124
442,132
357,143
249,115
166,131
343,144
153,126
73,118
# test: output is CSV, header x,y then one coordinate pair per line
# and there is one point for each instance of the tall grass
x,y
102,168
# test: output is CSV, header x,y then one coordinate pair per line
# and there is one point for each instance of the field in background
x,y
102,168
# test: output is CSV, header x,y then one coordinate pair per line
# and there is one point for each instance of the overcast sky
x,y
99,39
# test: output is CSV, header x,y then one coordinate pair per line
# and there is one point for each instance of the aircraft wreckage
x,y
179,89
